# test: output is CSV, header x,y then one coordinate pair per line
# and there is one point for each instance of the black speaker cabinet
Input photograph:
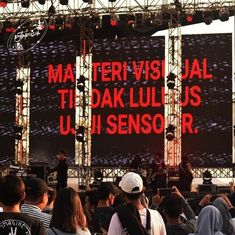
x,y
207,188
38,171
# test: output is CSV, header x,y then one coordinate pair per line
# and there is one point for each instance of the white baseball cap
x,y
131,183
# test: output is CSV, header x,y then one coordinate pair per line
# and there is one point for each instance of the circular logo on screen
x,y
26,36
14,227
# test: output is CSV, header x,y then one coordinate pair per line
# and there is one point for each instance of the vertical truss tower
x,y
173,95
22,109
83,96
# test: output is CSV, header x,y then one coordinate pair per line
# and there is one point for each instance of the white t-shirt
x,y
157,223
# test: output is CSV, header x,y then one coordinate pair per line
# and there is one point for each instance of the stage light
x,y
88,1
9,27
131,20
171,80
207,177
64,2
113,19
59,23
3,3
112,0
224,14
170,132
19,87
81,83
68,22
42,2
51,10
25,3
80,133
158,19
51,24
189,18
18,132
207,17
41,25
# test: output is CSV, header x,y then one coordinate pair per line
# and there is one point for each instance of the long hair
x,y
67,213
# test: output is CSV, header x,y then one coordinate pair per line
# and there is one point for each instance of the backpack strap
x,y
130,220
148,221
53,231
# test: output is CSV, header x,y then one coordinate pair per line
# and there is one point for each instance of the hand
x,y
205,200
229,204
156,199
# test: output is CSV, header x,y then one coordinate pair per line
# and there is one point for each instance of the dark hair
x,y
12,190
51,196
68,202
173,205
92,197
133,196
104,190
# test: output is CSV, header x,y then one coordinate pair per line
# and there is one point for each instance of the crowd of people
x,y
30,207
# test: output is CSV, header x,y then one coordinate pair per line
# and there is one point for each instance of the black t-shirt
x,y
20,224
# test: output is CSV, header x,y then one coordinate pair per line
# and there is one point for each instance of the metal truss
x,y
89,173
173,90
22,109
217,172
98,7
83,94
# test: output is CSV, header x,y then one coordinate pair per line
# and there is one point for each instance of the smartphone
x,y
165,191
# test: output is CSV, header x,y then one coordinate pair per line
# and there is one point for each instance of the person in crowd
x,y
156,177
36,200
222,206
133,217
173,205
209,222
104,209
12,221
51,199
68,217
91,201
185,175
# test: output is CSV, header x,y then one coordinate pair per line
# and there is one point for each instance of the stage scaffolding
x,y
86,13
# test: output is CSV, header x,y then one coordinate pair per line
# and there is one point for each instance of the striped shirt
x,y
36,212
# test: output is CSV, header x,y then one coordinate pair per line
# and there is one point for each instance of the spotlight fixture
x,y
171,80
131,20
64,2
112,0
68,22
3,3
207,17
224,14
207,177
19,87
18,132
51,10
157,19
51,24
81,83
113,19
42,2
25,3
80,133
88,1
8,26
170,132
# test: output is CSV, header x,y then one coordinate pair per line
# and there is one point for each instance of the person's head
x,y
106,192
132,186
62,155
68,203
209,221
36,192
158,156
91,199
173,206
12,190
